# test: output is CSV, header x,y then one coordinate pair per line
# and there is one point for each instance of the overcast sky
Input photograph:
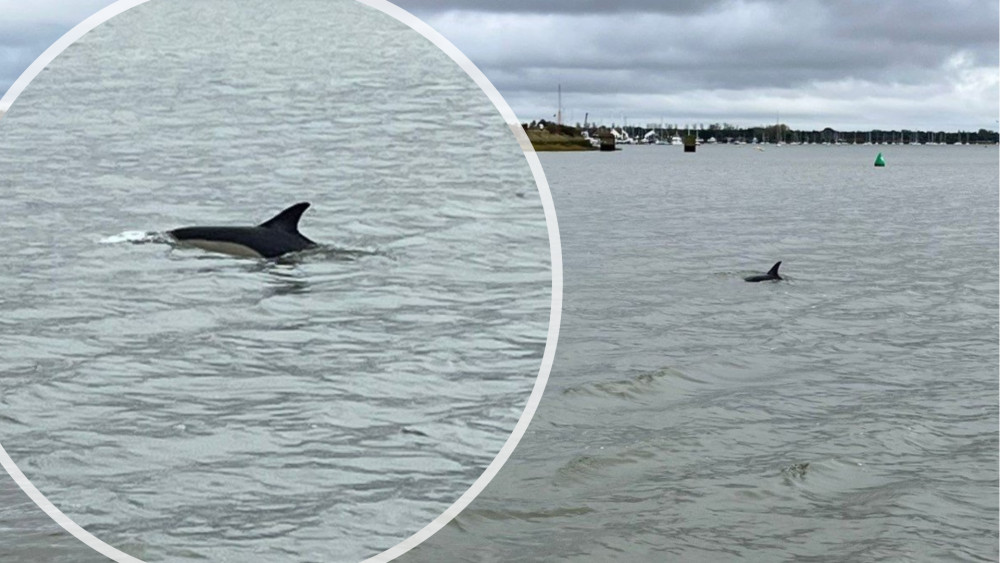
x,y
846,64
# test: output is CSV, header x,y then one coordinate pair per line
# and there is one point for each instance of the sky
x,y
846,64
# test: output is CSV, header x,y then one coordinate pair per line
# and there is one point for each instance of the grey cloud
x,y
621,52
13,36
888,30
946,22
28,28
20,46
701,56
576,7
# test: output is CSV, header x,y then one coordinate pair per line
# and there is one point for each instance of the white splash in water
x,y
134,237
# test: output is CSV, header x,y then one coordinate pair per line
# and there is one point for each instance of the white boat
x,y
621,137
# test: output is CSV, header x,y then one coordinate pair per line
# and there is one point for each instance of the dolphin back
x,y
272,238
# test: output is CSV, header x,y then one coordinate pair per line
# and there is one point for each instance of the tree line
x,y
728,133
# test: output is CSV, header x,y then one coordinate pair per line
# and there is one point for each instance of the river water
x,y
186,406
848,413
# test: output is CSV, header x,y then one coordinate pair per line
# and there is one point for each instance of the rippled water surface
x,y
183,405
848,413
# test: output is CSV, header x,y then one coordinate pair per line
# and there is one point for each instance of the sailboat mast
x,y
559,113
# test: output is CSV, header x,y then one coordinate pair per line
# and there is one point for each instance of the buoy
x,y
879,161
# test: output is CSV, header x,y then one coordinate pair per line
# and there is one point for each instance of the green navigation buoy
x,y
879,161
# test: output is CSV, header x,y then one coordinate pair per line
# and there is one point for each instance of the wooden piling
x,y
690,143
607,142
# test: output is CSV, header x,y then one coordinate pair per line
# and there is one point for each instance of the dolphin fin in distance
x,y
771,274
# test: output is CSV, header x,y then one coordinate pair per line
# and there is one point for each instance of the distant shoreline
x,y
546,135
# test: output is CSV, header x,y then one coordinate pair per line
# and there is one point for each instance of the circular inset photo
x,y
281,281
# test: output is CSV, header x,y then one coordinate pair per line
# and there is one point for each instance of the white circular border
x,y
555,249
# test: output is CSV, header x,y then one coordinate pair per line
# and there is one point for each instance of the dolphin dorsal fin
x,y
774,269
287,220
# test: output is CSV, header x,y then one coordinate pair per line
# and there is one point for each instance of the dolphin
x,y
272,238
771,274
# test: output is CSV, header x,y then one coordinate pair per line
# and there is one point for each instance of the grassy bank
x,y
555,138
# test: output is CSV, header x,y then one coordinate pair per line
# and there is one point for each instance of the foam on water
x,y
135,237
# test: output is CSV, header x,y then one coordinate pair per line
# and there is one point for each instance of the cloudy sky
x,y
846,64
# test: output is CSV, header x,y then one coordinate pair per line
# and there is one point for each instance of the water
x,y
182,405
848,413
